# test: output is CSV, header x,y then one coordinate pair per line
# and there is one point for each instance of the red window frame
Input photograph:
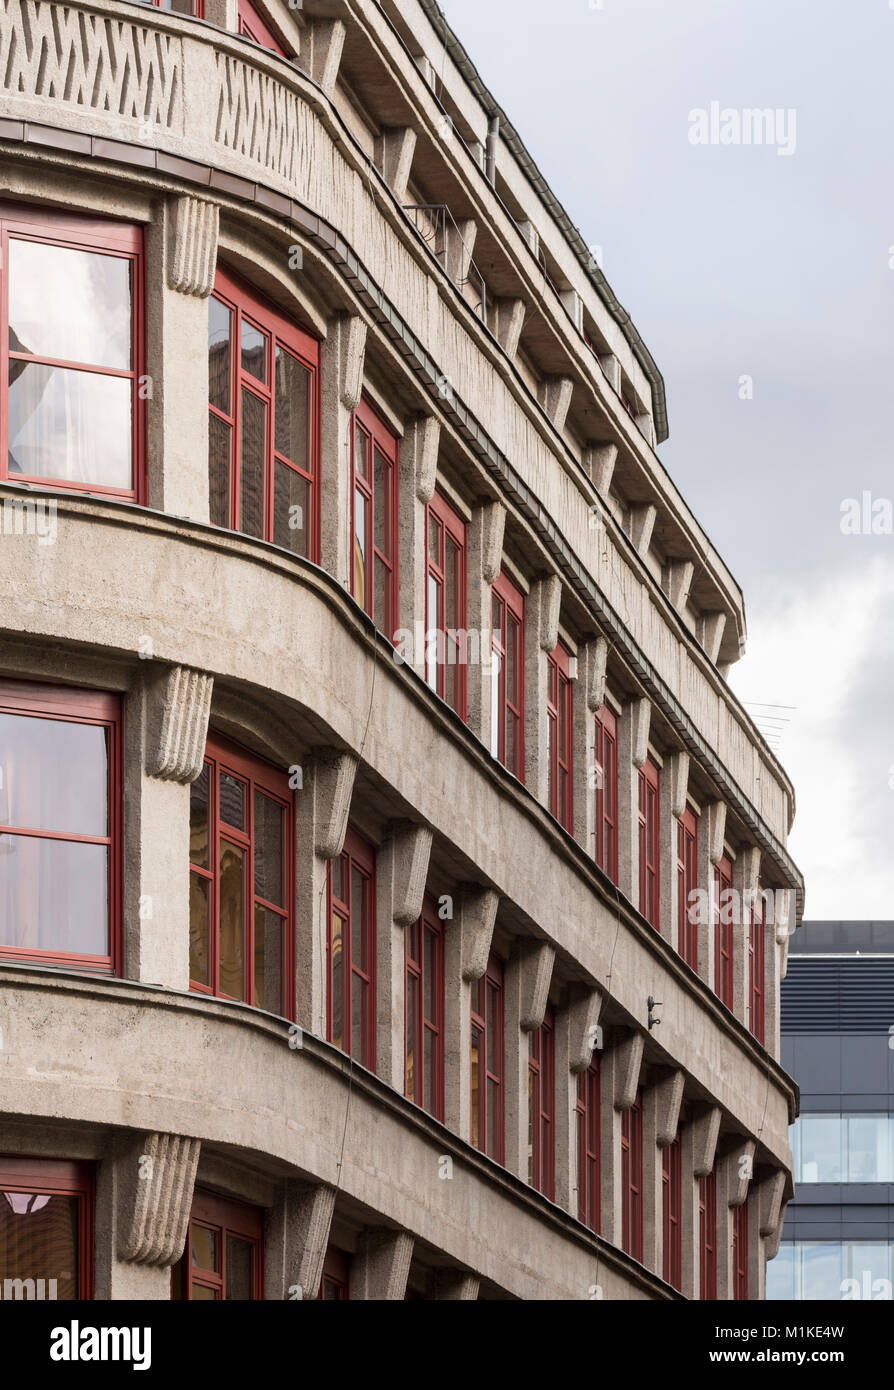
x,y
50,1177
542,1107
757,970
444,527
380,514
649,844
358,856
252,26
508,612
723,931
707,1233
122,240
226,1218
606,751
247,307
488,1060
687,884
740,1251
672,1210
197,7
424,948
560,736
632,1178
223,757
71,706
589,1146
335,1284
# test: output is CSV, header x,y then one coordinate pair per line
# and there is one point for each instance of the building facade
x,y
838,1043
394,897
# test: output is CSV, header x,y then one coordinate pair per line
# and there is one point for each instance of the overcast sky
x,y
739,261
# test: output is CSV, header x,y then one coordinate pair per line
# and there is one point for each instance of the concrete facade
x,y
538,409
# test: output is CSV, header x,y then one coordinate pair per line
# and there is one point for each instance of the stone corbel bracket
x,y
192,246
669,1100
741,1168
493,527
334,774
628,1062
595,661
411,847
421,445
716,830
550,606
178,710
705,1133
156,1176
477,915
679,781
772,1191
536,973
583,1028
641,714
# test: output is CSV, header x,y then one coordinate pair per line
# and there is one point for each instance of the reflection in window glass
x,y
831,1270
844,1148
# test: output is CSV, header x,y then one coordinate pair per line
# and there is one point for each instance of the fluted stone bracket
x,y
192,247
783,900
748,865
460,249
178,710
711,627
420,449
583,1028
455,1284
155,1178
646,426
599,462
508,322
612,369
771,1246
536,973
394,150
668,1101
550,607
310,1217
679,782
352,333
642,524
679,582
771,1192
334,774
740,1167
628,1062
327,41
641,714
705,1132
411,845
477,915
493,527
555,397
595,660
381,1266
716,821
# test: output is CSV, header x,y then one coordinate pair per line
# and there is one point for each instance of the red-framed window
x,y
508,676
541,1108
707,1228
446,657
60,826
757,969
253,26
263,426
589,1154
606,751
723,931
351,956
374,576
224,1255
424,1031
72,353
632,1178
649,842
488,1061
740,1251
46,1227
687,885
335,1285
672,1210
242,893
560,736
196,8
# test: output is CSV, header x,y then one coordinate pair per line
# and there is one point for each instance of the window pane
x,y
220,464
432,1012
338,868
199,908
496,706
74,427
453,582
382,614
361,585
512,653
821,1271
198,818
253,465
291,510
292,410
268,960
232,920
359,919
867,1148
361,452
232,801
269,858
54,896
431,1077
53,775
202,1294
204,1246
431,650
512,725
412,1035
72,306
338,980
434,539
359,1018
476,1088
494,1059
39,1240
220,331
240,1255
821,1148
493,1119
382,502
254,351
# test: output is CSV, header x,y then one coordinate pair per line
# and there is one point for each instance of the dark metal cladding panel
x,y
838,996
